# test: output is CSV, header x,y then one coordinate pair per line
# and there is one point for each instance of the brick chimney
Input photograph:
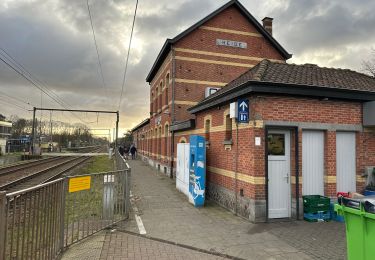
x,y
267,24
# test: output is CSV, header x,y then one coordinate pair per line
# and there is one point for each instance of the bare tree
x,y
369,65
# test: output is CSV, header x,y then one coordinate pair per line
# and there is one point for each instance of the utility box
x,y
233,110
182,168
197,170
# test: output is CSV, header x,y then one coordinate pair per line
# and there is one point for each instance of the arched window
x,y
159,143
167,80
166,89
166,133
228,128
156,100
207,129
152,103
150,141
160,95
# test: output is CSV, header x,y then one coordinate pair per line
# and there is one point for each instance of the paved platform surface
x,y
118,246
166,214
174,229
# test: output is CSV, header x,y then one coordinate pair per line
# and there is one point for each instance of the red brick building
x,y
311,129
256,168
226,43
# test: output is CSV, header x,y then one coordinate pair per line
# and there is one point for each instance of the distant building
x,y
5,128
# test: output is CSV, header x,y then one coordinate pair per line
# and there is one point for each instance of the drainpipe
x,y
235,172
296,143
266,168
172,110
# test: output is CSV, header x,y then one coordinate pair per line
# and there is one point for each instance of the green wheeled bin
x,y
368,204
359,215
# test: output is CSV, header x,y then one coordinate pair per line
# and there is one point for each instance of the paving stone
x,y
89,249
136,247
167,214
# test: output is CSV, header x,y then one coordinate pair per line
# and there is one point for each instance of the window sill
x,y
228,145
227,142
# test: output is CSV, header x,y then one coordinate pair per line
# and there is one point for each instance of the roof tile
x,y
304,75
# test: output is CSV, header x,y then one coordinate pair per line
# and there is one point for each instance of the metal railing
x,y
39,222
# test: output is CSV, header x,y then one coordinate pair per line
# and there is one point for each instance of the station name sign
x,y
234,44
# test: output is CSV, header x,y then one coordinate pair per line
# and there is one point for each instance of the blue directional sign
x,y
243,110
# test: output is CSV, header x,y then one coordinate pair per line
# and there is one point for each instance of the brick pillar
x,y
259,162
330,164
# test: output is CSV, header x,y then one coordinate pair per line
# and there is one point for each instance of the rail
x,y
41,221
13,168
39,174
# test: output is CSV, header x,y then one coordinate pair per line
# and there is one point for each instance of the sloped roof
x,y
306,79
141,124
169,42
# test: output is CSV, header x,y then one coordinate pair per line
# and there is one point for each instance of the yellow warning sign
x,y
79,183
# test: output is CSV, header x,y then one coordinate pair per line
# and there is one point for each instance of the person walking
x,y
133,151
121,150
126,152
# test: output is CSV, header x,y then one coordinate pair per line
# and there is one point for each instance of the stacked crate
x,y
316,208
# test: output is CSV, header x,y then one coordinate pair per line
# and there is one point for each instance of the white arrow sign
x,y
243,105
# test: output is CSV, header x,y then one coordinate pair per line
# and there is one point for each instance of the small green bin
x,y
315,203
359,218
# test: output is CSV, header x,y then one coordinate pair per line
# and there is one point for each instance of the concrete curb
x,y
181,245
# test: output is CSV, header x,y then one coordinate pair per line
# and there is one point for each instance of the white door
x,y
313,163
279,198
345,162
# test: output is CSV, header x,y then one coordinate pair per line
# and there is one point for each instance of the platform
x,y
172,228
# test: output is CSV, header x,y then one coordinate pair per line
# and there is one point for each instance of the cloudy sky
x,y
53,40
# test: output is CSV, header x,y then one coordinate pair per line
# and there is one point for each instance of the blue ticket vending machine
x,y
197,170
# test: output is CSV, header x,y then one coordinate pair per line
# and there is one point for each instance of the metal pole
x,y
296,144
172,112
236,172
64,187
117,121
33,132
50,122
3,223
77,110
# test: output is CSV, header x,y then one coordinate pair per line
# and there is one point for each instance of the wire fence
x,y
39,222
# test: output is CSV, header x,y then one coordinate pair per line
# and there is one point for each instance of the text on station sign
x,y
79,183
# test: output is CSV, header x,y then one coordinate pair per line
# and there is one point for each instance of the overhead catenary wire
x,y
21,70
29,80
16,98
35,79
13,104
127,56
97,50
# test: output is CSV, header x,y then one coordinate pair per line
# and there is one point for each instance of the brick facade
x,y
180,81
266,110
237,180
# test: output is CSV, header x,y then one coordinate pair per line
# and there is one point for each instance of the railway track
x,y
23,176
42,173
22,166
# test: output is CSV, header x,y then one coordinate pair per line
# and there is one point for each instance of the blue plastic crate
x,y
319,216
338,218
335,216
